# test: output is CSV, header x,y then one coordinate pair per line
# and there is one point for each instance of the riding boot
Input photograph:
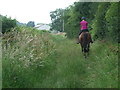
x,y
78,41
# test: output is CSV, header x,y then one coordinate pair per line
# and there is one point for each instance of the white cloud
x,y
32,10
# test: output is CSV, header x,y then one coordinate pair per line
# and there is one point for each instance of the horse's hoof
x,y
85,57
91,41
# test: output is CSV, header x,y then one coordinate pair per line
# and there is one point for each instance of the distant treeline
x,y
101,16
8,23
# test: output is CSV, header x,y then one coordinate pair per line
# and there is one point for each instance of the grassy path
x,y
69,69
64,68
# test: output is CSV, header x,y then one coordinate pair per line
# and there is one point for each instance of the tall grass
x,y
72,70
24,51
41,60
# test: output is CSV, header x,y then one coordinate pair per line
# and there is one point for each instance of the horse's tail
x,y
85,42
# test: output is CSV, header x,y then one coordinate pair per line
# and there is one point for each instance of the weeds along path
x,y
35,60
68,66
71,70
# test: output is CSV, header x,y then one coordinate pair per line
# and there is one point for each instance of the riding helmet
x,y
83,18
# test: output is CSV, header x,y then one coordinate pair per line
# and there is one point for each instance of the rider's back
x,y
84,25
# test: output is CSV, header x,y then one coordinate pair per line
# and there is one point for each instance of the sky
x,y
32,10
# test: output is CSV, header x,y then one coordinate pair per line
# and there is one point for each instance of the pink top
x,y
84,25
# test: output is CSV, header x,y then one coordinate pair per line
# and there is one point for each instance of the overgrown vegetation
x,y
39,60
24,50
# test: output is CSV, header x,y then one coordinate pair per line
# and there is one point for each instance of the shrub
x,y
7,24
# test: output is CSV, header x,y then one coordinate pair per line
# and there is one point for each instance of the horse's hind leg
x,y
88,49
82,47
82,50
85,55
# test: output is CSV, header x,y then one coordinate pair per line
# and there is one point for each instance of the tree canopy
x,y
31,24
7,23
101,16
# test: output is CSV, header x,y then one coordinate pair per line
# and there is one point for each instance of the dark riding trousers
x,y
85,30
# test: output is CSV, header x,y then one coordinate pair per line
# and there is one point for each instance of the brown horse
x,y
84,40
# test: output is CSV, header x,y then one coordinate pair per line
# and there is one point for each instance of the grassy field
x,y
41,60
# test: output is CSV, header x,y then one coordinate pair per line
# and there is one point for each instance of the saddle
x,y
81,36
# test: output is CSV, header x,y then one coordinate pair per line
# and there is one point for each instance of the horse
x,y
84,40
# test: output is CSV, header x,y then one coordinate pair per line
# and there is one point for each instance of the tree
x,y
31,24
57,19
101,16
7,23
112,18
99,24
73,16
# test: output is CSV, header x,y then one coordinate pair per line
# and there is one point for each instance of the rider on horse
x,y
84,28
